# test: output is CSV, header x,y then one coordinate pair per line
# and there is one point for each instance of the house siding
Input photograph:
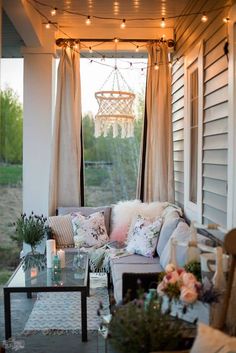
x,y
190,31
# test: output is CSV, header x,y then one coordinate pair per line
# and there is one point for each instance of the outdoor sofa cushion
x,y
131,264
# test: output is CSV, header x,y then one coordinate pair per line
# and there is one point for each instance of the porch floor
x,y
21,308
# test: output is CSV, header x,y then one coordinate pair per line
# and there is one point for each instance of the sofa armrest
x,y
132,282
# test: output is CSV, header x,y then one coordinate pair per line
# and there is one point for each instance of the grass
x,y
10,174
4,276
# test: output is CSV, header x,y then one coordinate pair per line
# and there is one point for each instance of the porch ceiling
x,y
114,12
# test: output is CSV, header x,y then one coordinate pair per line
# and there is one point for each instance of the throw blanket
x,y
99,259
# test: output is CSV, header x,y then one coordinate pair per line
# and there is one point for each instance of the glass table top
x,y
75,274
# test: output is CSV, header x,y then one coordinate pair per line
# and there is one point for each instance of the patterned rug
x,y
60,313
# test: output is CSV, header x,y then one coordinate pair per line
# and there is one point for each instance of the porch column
x,y
37,129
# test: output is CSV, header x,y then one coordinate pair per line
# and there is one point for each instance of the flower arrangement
x,y
179,284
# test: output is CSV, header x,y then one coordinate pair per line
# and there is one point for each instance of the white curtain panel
x,y
158,180
65,183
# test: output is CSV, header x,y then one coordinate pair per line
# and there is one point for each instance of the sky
x,y
93,76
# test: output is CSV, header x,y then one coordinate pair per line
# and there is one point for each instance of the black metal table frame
x,y
84,294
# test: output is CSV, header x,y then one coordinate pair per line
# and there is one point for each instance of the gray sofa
x,y
132,264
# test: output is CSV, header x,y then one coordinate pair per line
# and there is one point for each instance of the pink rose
x,y
188,295
171,277
188,279
161,288
170,268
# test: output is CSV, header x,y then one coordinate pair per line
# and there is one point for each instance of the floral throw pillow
x,y
90,230
144,238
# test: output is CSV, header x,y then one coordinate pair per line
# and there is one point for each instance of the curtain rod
x,y
60,41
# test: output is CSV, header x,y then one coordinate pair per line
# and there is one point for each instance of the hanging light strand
x,y
162,19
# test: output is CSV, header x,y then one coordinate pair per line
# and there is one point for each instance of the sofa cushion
x,y
181,234
131,264
89,231
144,237
86,211
170,223
211,340
62,230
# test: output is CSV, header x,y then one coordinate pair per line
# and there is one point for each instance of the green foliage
x,y
10,174
173,290
11,125
4,276
111,164
139,328
31,230
195,268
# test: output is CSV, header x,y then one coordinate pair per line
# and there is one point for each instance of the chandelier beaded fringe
x,y
115,112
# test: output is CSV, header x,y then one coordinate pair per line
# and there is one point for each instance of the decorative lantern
x,y
115,110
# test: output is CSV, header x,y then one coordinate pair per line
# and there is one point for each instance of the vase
x,y
202,312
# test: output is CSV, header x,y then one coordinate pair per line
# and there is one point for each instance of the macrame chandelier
x,y
115,112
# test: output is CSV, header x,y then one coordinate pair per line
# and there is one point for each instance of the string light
x,y
137,49
156,67
116,40
63,10
90,49
226,19
76,46
123,24
170,64
204,17
54,11
163,24
48,25
88,21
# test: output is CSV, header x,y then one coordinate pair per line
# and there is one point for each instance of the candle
x,y
33,272
61,255
50,251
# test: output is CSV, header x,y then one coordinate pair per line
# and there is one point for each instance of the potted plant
x,y
31,230
141,326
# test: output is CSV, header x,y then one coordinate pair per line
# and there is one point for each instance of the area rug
x,y
60,313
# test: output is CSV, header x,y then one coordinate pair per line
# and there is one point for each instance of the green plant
x,y
195,268
30,230
141,326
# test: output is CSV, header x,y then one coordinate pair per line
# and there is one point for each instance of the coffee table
x,y
69,279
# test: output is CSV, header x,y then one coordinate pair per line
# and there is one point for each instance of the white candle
x,y
61,255
50,251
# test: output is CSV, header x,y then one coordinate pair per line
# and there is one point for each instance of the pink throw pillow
x,y
120,233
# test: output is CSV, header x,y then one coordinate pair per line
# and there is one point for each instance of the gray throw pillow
x,y
167,229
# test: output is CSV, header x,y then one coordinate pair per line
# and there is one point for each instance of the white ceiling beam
x,y
26,20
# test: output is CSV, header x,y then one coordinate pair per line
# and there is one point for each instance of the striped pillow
x,y
62,230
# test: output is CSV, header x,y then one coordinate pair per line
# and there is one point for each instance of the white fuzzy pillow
x,y
125,211
210,340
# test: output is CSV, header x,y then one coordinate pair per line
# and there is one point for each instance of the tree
x,y
11,125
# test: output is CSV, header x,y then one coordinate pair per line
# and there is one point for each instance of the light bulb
x,y
204,18
226,19
163,24
90,49
156,67
54,11
123,24
137,49
116,40
48,25
75,46
88,21
170,64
